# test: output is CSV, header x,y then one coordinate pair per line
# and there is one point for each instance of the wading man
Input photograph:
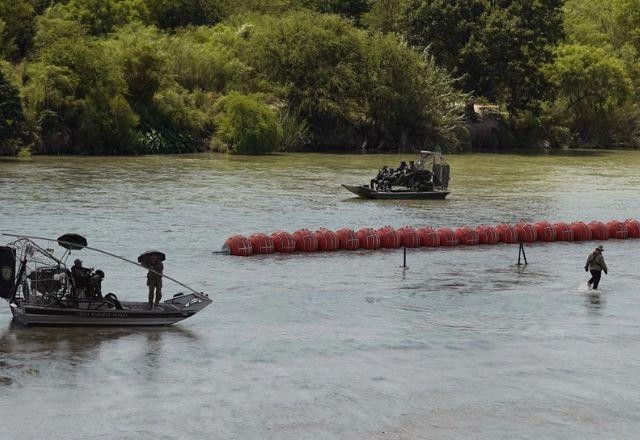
x,y
154,280
595,264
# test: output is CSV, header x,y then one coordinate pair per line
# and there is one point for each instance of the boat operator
x,y
87,282
595,264
154,280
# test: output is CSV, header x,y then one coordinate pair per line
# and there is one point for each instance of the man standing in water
x,y
595,264
154,280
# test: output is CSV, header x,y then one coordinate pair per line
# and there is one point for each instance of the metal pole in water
x,y
404,257
521,254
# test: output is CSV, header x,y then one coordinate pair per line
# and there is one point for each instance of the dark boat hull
x,y
368,193
133,314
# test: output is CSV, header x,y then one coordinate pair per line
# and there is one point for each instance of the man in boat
x,y
80,277
595,264
154,280
80,274
382,174
86,281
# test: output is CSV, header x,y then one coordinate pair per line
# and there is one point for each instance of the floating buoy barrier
x,y
238,245
507,233
545,232
389,237
347,239
580,231
617,230
305,240
368,239
633,227
563,231
467,236
487,234
598,231
325,240
428,237
283,242
447,237
408,237
261,243
525,232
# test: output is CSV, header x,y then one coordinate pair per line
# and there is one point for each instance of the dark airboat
x,y
427,179
41,290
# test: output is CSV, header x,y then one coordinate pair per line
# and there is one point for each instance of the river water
x,y
464,344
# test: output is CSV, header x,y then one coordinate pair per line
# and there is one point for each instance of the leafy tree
x,y
352,9
496,46
11,115
412,102
103,16
17,29
247,126
592,86
172,14
385,15
76,92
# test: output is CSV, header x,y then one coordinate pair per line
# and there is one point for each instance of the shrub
x,y
247,125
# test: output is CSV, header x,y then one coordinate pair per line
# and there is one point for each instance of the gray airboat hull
x,y
133,313
368,193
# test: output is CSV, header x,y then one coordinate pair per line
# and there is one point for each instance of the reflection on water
x,y
463,344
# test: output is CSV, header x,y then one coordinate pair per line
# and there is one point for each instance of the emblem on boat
x,y
7,273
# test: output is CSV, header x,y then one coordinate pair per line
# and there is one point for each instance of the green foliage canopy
x,y
496,46
247,125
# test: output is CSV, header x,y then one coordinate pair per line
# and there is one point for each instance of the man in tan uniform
x,y
595,264
154,281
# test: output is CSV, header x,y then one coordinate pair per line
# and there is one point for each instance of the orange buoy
x,y
617,230
598,230
368,238
545,232
347,239
283,242
261,243
580,231
633,227
428,237
526,232
487,234
507,233
408,237
238,245
447,237
305,240
389,237
563,231
467,236
327,240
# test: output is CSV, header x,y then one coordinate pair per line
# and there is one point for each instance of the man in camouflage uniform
x,y
595,264
154,280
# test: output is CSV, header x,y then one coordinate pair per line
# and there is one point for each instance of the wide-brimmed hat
x,y
599,248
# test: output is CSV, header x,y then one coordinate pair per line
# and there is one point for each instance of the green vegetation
x,y
251,77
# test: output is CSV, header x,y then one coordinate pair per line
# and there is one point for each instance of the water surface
x,y
463,344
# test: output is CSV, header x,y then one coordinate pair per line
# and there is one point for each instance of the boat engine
x,y
49,280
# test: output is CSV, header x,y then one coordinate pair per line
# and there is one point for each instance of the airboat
x,y
427,178
42,290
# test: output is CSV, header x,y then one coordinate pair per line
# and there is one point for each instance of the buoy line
x,y
325,240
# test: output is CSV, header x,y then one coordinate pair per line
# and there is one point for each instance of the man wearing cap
x,y
595,264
